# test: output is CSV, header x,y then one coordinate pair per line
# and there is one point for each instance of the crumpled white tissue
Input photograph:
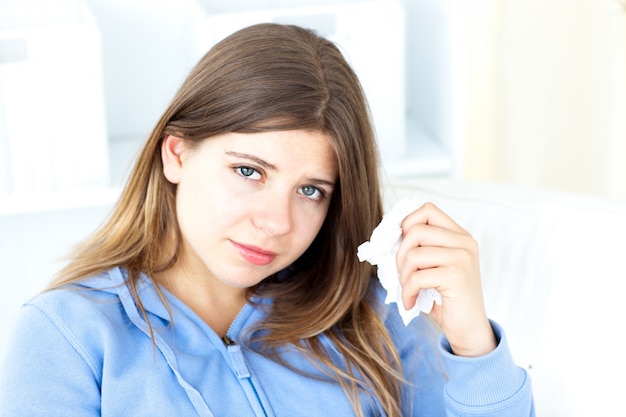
x,y
381,250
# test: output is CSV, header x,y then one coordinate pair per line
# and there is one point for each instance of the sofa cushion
x,y
552,267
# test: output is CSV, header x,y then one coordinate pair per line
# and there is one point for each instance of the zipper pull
x,y
228,341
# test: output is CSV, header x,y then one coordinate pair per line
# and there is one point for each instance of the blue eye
x,y
312,192
248,172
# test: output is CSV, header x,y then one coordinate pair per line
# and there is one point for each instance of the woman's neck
x,y
215,303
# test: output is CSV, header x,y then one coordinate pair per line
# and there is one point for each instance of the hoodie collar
x,y
114,281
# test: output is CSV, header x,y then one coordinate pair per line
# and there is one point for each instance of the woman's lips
x,y
254,255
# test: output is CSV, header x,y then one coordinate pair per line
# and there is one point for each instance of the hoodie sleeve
x,y
489,385
45,372
441,384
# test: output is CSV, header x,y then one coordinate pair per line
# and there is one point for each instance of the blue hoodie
x,y
87,351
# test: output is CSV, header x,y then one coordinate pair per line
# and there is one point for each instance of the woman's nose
x,y
274,214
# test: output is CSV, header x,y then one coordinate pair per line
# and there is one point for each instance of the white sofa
x,y
553,268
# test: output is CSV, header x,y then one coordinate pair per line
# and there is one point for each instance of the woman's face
x,y
249,205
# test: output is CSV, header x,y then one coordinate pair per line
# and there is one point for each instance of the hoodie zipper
x,y
242,371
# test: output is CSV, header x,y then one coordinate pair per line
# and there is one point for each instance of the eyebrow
x,y
253,158
267,165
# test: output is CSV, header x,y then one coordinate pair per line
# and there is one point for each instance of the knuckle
x,y
429,206
471,244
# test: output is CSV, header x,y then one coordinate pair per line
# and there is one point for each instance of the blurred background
x,y
527,92
524,92
547,94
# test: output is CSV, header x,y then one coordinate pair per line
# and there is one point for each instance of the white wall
x,y
547,95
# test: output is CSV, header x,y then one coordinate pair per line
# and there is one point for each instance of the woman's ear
x,y
172,148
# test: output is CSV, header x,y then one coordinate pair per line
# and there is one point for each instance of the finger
x,y
424,278
430,214
450,271
420,258
426,236
421,234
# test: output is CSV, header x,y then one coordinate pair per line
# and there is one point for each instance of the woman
x,y
226,281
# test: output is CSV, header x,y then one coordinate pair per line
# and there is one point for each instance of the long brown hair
x,y
272,77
